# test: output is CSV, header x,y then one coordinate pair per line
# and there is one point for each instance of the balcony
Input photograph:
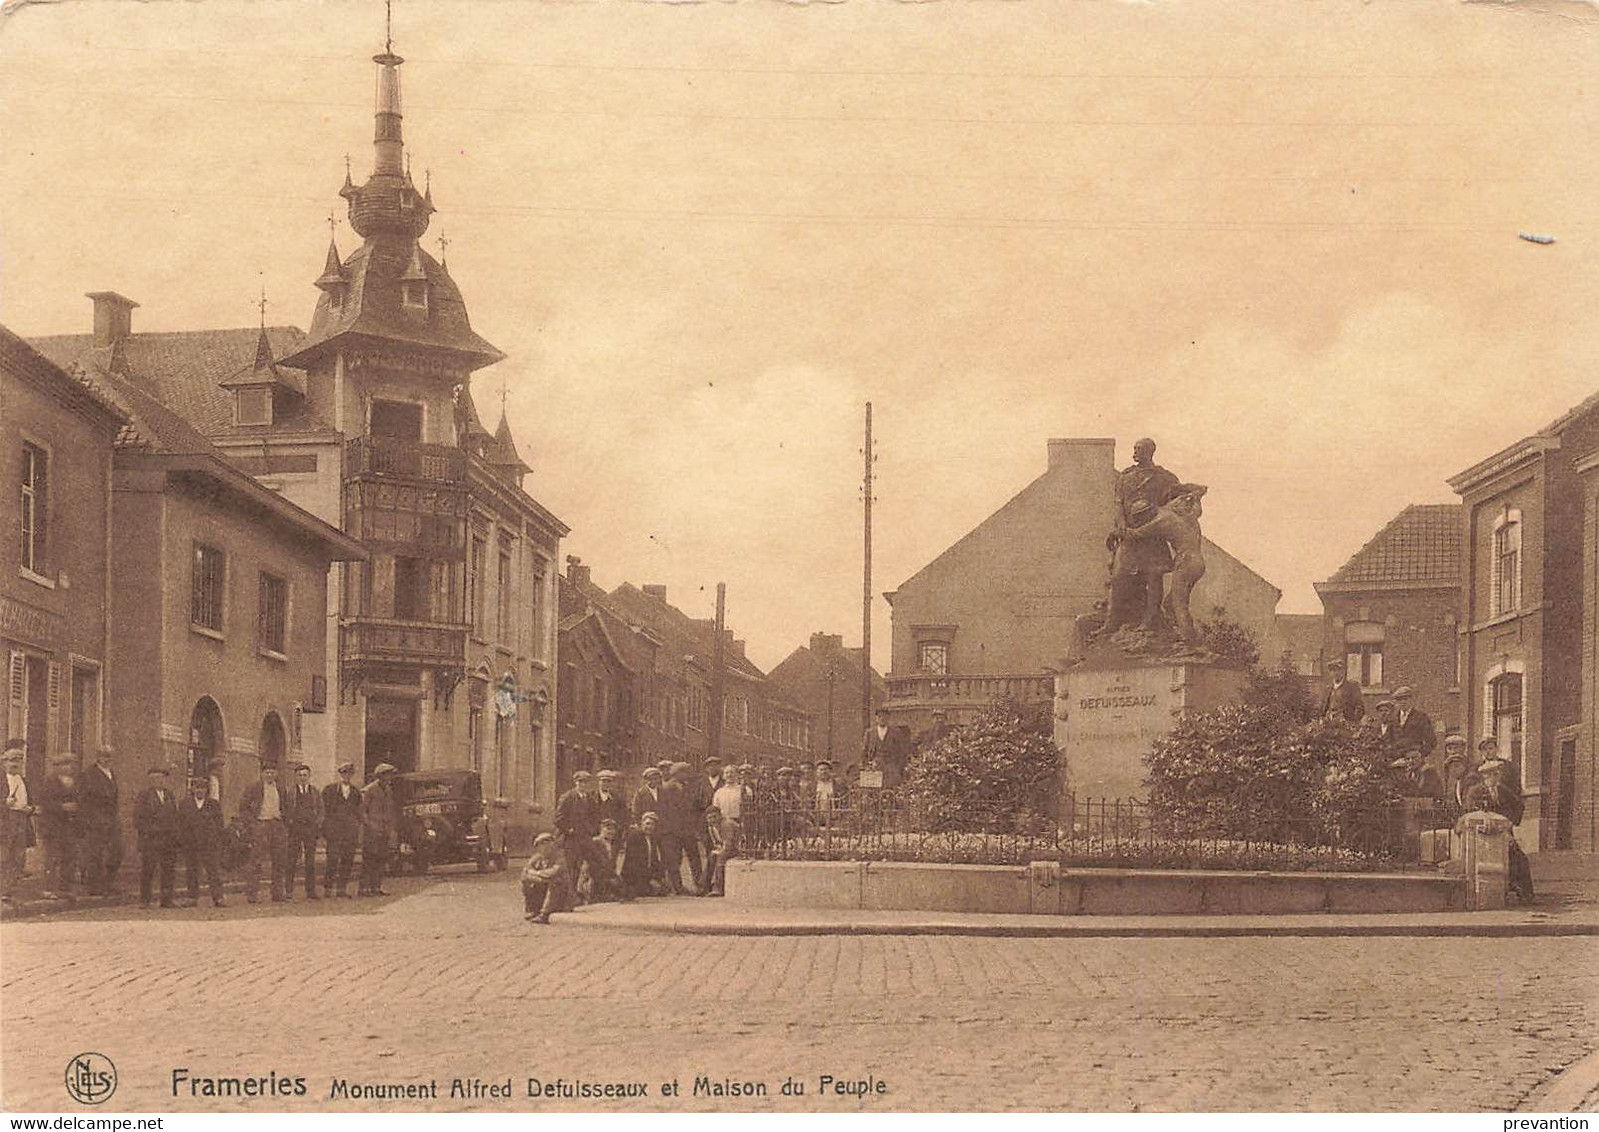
x,y
408,459
965,694
384,640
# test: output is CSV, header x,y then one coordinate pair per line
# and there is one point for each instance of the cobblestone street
x,y
447,981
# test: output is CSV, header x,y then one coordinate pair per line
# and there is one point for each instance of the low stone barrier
x,y
1045,888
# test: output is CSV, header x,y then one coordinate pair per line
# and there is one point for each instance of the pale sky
x,y
1281,238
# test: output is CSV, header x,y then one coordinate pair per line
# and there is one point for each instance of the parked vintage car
x,y
443,821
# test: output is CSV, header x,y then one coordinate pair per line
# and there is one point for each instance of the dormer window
x,y
252,405
414,293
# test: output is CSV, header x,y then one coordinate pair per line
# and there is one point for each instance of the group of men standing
x,y
75,814
1488,782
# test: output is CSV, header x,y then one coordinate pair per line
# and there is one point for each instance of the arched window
x,y
204,755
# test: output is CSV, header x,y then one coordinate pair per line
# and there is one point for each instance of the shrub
x,y
1253,772
1001,767
1228,639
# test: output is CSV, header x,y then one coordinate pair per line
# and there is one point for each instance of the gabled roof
x,y
1544,439
372,306
185,370
77,388
1420,547
688,636
805,665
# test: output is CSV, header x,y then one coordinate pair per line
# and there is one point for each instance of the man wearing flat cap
x,y
60,825
681,828
102,839
341,826
380,829
610,802
577,822
16,819
155,820
1343,696
648,799
1414,740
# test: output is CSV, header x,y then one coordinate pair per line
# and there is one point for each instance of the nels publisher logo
x,y
91,1078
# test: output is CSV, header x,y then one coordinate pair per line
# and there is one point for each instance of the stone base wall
x,y
1044,888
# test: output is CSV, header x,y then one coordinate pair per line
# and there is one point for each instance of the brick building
x,y
217,618
368,422
607,675
1393,611
1530,677
824,678
987,617
671,701
56,432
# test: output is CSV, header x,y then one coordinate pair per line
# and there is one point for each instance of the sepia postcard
x,y
853,556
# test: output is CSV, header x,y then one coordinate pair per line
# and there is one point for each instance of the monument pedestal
x,y
1110,710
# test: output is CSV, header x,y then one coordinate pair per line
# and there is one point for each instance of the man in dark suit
x,y
200,840
60,825
610,802
1343,695
682,826
577,822
642,866
648,799
380,829
155,819
1414,739
305,827
102,840
888,749
341,826
264,808
1498,790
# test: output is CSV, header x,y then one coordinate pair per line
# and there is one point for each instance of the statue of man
x,y
1177,524
1140,564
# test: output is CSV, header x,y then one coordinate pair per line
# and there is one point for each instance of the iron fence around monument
x,y
1094,833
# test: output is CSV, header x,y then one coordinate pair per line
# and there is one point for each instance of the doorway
x,y
391,734
1566,794
273,746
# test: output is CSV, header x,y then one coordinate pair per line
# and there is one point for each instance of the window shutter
x,y
17,684
41,516
53,711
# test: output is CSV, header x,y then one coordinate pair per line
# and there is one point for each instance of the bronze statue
x,y
1140,564
1177,526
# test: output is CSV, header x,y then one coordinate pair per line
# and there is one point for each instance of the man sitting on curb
x,y
546,886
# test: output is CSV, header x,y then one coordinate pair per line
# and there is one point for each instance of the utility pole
x,y
714,724
866,583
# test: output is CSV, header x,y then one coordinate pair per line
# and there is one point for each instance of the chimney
x,y
827,642
1095,454
576,572
113,317
657,592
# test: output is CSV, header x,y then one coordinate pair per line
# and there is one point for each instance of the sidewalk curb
x,y
1130,930
1569,1089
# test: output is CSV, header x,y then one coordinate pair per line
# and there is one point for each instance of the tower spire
x,y
386,139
